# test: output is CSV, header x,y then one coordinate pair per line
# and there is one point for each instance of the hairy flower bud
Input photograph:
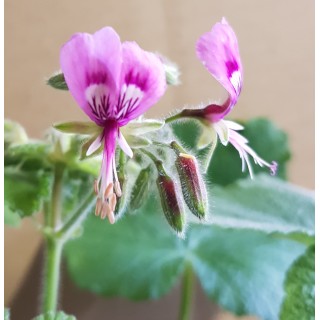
x,y
193,186
171,203
171,69
140,189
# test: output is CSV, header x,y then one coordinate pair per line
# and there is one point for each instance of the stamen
x,y
96,187
111,217
105,210
98,207
117,188
273,168
113,201
108,192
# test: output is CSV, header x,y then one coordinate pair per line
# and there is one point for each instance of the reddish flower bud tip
x,y
171,203
192,184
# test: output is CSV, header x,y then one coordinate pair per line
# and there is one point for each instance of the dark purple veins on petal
x,y
133,77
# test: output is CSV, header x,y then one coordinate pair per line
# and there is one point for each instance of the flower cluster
x,y
115,83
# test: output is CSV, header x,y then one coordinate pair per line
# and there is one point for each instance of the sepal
x,y
142,127
78,127
57,81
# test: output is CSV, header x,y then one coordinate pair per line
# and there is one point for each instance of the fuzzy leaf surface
x,y
265,203
141,250
299,302
24,191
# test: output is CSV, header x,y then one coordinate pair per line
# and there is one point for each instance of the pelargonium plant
x,y
133,170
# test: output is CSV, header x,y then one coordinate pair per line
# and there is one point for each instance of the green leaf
x,y
14,133
299,237
6,314
24,191
11,218
299,302
140,250
55,316
265,203
264,137
32,149
57,81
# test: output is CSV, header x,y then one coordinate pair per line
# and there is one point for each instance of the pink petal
x,y
219,52
124,145
143,81
91,60
95,145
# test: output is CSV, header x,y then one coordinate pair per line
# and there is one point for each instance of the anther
x,y
111,217
113,201
108,192
95,187
105,210
117,188
98,207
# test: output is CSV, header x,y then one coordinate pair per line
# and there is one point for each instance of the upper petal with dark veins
x,y
92,66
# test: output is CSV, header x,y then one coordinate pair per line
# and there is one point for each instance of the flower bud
x,y
141,188
171,203
171,69
192,184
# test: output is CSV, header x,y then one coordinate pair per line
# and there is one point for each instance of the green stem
x,y
186,294
53,246
187,113
174,117
157,162
52,274
76,219
56,196
209,155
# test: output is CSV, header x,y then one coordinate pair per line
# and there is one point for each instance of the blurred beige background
x,y
277,48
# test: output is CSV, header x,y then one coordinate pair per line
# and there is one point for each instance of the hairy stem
x,y
174,117
56,196
209,155
52,274
186,294
53,246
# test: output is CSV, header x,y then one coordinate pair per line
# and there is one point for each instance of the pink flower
x,y
219,52
113,83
